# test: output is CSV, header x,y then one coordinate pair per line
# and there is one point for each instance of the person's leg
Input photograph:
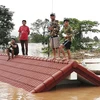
x,y
68,49
8,53
69,53
26,46
57,44
54,53
58,50
22,46
16,53
61,48
53,48
12,52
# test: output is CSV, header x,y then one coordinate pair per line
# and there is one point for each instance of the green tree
x,y
96,39
87,39
83,27
36,38
40,27
80,28
6,24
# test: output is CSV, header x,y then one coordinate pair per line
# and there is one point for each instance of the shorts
x,y
15,52
67,44
54,42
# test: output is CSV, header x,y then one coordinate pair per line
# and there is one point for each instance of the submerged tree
x,y
96,39
6,24
40,27
36,38
84,27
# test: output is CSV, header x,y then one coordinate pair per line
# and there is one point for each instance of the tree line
x,y
6,24
40,32
79,28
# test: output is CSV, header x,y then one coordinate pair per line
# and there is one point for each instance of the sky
x,y
31,10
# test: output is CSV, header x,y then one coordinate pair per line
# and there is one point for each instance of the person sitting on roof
x,y
13,48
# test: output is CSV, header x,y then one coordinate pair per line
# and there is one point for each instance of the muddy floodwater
x,y
8,92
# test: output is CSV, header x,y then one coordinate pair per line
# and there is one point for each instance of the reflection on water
x,y
8,92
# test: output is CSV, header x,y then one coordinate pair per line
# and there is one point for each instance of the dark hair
x,y
52,14
13,39
66,20
23,20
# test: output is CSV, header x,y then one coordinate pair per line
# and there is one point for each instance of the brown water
x,y
34,49
8,92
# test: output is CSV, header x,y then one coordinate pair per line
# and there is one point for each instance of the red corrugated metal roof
x,y
36,74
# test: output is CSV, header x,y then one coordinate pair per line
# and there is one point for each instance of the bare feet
x,y
64,59
12,56
58,58
8,58
54,58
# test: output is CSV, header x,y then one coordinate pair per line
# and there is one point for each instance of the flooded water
x,y
92,64
8,92
35,49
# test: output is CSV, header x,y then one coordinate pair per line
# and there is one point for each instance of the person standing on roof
x,y
54,32
66,32
23,37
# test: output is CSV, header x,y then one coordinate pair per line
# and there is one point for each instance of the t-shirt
x,y
55,25
24,32
16,50
68,31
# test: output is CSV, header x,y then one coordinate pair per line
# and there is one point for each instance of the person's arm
x,y
60,33
49,27
28,30
19,35
14,46
69,35
57,27
19,32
